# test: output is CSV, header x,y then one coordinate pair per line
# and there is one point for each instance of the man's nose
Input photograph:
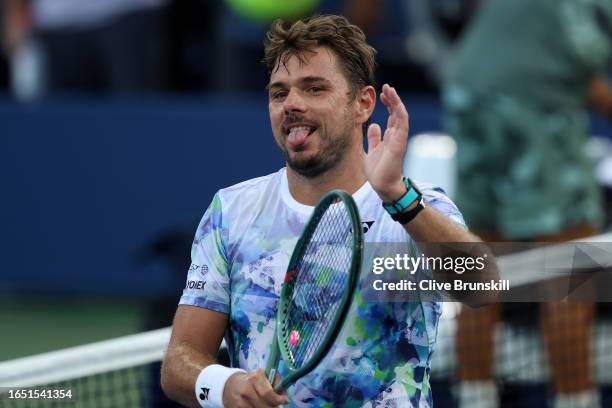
x,y
294,102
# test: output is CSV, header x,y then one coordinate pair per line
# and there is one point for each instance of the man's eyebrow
x,y
311,79
277,84
305,80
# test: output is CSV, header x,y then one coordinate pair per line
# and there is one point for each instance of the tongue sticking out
x,y
297,136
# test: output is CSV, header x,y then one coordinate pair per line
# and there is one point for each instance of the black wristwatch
x,y
397,209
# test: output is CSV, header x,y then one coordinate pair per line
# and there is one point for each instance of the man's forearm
x,y
431,227
181,367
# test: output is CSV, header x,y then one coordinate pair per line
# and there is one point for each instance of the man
x,y
321,95
514,100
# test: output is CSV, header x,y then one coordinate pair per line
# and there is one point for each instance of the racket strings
x,y
323,272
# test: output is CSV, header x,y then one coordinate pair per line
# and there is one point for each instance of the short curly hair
x,y
356,57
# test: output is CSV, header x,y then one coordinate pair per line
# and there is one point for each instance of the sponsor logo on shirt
x,y
366,225
204,268
195,284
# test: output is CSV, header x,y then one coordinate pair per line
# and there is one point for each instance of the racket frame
x,y
279,349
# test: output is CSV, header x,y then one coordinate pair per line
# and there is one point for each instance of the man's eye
x,y
315,89
278,95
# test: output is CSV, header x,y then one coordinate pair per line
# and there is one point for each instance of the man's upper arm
x,y
208,281
200,328
196,336
201,317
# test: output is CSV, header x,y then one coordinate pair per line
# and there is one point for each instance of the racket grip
x,y
272,363
273,359
272,376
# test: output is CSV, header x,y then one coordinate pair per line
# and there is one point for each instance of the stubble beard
x,y
330,153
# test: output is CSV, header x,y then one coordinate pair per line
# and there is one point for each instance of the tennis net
x,y
121,372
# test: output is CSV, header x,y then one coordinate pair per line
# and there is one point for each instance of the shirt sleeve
x,y
208,275
437,198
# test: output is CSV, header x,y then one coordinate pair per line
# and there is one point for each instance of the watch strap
x,y
405,201
405,217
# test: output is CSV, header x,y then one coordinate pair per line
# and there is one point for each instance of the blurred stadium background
x,y
103,184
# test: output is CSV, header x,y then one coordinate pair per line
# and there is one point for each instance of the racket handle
x,y
273,359
272,376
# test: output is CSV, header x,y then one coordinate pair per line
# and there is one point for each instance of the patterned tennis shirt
x,y
241,250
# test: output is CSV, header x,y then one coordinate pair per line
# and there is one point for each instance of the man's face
x,y
311,113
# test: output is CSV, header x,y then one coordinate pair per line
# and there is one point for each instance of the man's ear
x,y
365,101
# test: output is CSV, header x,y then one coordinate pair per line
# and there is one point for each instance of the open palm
x,y
383,164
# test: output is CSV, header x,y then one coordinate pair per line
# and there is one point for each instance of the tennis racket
x,y
318,288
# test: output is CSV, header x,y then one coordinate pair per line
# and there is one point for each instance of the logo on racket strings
x,y
294,337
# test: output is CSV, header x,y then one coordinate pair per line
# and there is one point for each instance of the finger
x,y
374,133
393,96
277,380
387,97
386,88
239,392
387,94
247,397
385,100
268,397
399,116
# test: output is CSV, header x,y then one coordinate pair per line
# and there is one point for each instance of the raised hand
x,y
383,164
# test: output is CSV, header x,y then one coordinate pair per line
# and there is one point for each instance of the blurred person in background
x,y
65,46
435,26
514,99
420,39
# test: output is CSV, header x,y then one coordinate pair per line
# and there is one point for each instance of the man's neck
x,y
348,176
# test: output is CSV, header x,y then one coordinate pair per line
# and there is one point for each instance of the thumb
x,y
374,136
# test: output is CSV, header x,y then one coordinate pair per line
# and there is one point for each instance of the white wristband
x,y
210,384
